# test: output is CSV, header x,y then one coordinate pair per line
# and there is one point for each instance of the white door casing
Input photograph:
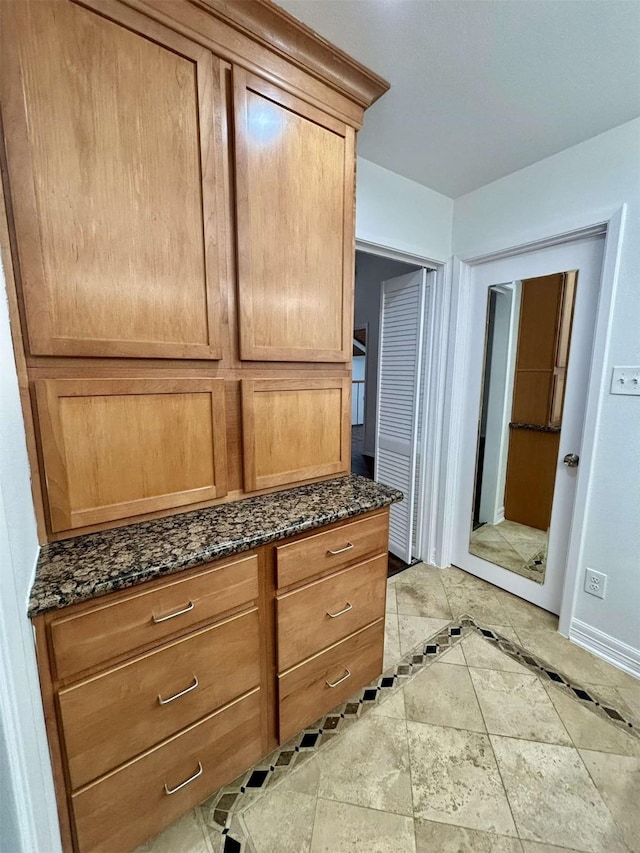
x,y
402,349
586,256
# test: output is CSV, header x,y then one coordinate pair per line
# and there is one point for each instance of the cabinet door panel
x,y
294,429
111,133
295,180
117,448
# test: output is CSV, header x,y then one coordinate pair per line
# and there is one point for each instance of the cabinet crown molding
x,y
273,27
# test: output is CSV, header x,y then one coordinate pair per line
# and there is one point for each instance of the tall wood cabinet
x,y
179,240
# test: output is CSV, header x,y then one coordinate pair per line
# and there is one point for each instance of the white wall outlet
x,y
626,380
595,583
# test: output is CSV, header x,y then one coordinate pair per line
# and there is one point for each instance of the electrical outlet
x,y
595,583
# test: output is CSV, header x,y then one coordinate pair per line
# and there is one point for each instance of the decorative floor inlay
x,y
225,809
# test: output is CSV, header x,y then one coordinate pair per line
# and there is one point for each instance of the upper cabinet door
x,y
112,132
295,202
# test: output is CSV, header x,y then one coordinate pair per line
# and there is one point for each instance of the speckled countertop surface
x,y
98,563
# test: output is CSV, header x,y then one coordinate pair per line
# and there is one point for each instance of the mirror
x,y
525,363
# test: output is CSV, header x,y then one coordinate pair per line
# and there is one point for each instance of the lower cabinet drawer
x,y
88,639
314,687
324,612
113,717
139,800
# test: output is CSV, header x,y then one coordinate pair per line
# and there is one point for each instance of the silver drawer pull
x,y
186,782
159,619
193,686
347,547
340,612
340,680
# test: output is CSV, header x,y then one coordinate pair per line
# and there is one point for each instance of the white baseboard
x,y
606,647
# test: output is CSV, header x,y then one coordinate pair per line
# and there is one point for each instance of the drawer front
x,y
334,549
324,612
145,618
131,805
112,717
305,692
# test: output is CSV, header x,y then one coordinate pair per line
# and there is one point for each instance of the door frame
x,y
609,223
437,333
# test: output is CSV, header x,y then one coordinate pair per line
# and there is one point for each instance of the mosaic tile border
x,y
223,811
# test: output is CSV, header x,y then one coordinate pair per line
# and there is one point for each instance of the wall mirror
x,y
528,336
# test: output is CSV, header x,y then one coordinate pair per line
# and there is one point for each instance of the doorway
x,y
525,393
393,316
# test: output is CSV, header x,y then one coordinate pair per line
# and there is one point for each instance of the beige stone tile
x,y
368,766
392,652
413,630
516,705
443,696
345,828
453,656
432,837
522,614
281,822
631,697
423,597
553,798
576,663
481,604
485,654
302,780
392,605
392,706
536,847
455,779
617,777
588,730
454,577
506,631
186,835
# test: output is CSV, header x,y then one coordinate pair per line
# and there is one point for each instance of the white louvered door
x,y
402,326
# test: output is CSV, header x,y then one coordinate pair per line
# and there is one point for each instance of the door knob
x,y
571,460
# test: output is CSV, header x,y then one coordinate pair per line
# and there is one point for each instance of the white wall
x,y
25,766
400,214
596,176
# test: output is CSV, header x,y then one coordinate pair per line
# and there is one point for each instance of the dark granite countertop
x,y
98,563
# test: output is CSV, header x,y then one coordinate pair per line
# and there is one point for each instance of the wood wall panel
x,y
295,429
114,448
116,205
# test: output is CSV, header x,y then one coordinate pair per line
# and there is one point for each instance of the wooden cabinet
x,y
112,135
180,201
114,448
294,179
157,696
295,429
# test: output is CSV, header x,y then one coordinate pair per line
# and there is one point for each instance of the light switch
x,y
626,380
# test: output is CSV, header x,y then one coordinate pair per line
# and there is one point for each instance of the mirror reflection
x,y
526,354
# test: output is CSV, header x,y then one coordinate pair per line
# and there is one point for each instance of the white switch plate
x,y
626,380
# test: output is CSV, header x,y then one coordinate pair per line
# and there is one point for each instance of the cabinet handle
x,y
186,782
159,619
340,612
193,686
347,547
340,680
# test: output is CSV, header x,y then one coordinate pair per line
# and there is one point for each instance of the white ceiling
x,y
481,88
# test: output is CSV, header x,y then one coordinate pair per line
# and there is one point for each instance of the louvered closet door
x,y
402,326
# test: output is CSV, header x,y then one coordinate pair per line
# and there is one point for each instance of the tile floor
x,y
513,546
476,753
